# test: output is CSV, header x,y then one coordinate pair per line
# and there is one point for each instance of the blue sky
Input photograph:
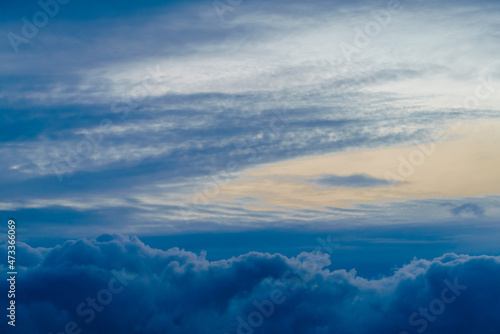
x,y
239,126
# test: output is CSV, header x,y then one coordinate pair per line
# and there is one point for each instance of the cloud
x,y
414,172
468,209
219,86
176,291
351,181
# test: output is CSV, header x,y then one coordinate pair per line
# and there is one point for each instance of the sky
x,y
360,134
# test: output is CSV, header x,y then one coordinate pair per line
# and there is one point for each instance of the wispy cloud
x,y
215,90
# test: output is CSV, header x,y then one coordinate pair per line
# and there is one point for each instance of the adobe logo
x,y
29,30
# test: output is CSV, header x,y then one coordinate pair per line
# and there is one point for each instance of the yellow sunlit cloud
x,y
467,165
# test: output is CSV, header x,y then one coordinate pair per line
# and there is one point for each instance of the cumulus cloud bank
x,y
118,284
